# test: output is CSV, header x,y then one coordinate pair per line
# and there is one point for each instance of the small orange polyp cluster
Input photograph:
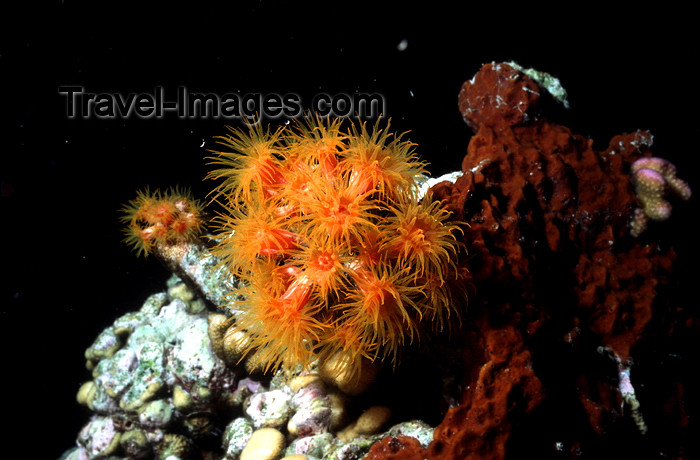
x,y
157,218
333,250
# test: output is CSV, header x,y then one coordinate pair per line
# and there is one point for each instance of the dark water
x,y
63,180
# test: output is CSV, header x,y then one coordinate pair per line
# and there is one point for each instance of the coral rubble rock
x,y
270,408
160,391
144,366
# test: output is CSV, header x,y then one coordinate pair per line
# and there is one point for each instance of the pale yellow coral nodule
x,y
652,178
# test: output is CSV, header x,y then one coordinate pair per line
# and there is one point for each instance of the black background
x,y
67,274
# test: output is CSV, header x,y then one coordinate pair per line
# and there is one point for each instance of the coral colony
x,y
157,220
325,266
336,255
652,177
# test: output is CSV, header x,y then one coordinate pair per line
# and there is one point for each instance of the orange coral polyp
x,y
180,226
419,235
250,234
323,264
297,189
368,249
380,297
157,212
185,225
383,306
271,178
146,234
282,328
339,214
382,162
414,236
287,335
326,153
318,141
298,292
274,241
251,168
365,178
